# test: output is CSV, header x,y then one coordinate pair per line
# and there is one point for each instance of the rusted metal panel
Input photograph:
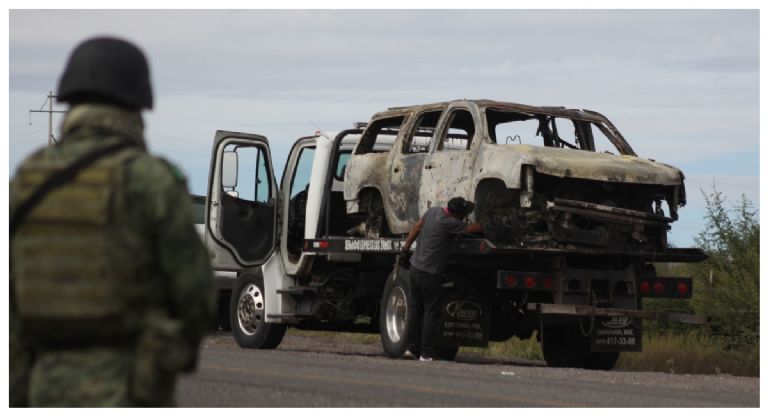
x,y
583,310
404,184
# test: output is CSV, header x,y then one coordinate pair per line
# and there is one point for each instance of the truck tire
x,y
393,315
376,217
603,360
247,313
393,320
565,346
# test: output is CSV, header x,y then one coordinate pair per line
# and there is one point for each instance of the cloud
x,y
682,85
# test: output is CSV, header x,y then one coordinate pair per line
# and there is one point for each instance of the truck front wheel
x,y
247,314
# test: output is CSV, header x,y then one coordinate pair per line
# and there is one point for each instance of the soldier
x,y
111,288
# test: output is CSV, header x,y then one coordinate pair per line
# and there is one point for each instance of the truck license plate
x,y
617,333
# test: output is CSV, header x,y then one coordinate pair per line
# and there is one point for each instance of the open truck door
x,y
242,197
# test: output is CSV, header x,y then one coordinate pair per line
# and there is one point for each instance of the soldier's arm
x,y
181,254
20,352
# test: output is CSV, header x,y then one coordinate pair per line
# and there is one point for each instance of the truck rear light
x,y
511,281
547,283
530,282
320,244
667,287
525,280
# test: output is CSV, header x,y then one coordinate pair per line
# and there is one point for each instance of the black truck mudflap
x,y
611,329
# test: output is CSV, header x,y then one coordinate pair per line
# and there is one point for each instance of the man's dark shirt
x,y
438,230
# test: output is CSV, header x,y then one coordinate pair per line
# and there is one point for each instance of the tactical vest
x,y
68,285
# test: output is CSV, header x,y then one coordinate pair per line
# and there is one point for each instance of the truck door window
x,y
303,171
458,135
252,174
341,165
297,204
380,135
420,137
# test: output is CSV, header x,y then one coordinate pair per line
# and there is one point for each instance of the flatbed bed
x,y
482,246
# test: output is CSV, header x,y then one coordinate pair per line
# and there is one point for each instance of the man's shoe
x,y
425,358
409,355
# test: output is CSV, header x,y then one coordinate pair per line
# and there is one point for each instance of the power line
x,y
50,111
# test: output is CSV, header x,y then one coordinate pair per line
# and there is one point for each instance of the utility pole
x,y
50,111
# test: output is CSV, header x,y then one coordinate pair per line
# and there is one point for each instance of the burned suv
x,y
547,177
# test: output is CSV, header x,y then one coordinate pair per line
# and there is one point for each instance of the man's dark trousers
x,y
424,312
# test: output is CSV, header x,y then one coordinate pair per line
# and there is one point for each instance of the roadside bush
x,y
729,281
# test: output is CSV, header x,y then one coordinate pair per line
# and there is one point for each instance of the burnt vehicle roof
x,y
580,114
571,113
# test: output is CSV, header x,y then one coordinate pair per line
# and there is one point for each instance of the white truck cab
x,y
254,226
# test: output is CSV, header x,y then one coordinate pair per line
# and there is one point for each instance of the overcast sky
x,y
682,86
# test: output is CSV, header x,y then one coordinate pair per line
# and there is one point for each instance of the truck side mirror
x,y
229,170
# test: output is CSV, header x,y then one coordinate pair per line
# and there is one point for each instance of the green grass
x,y
691,353
677,353
338,336
527,349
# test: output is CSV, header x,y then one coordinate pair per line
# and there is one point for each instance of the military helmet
x,y
107,69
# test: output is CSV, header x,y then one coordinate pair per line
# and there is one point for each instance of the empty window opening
x,y
420,137
380,135
510,127
458,135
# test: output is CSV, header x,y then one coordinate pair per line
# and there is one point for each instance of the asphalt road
x,y
319,372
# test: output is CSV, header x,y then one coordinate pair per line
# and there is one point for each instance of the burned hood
x,y
568,163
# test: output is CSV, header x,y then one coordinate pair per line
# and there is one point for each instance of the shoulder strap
x,y
58,179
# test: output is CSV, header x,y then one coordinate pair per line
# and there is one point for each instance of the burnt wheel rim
x,y
250,309
396,314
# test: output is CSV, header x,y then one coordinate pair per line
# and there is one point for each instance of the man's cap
x,y
460,206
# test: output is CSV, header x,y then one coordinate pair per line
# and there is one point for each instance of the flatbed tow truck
x,y
297,265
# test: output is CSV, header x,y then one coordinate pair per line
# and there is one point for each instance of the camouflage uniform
x,y
155,238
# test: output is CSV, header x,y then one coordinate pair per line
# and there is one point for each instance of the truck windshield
x,y
508,127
